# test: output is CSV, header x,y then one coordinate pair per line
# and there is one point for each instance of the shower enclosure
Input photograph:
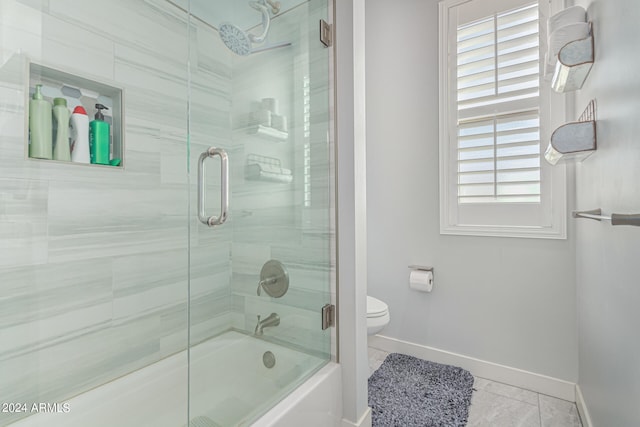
x,y
184,282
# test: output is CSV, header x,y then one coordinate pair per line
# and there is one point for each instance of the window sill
x,y
558,233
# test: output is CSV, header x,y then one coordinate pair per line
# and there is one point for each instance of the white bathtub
x,y
230,386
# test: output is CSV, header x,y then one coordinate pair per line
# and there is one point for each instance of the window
x,y
495,115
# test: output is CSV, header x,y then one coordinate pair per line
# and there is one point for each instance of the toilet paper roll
x,y
421,280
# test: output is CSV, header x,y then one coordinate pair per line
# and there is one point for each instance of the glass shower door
x,y
94,255
260,96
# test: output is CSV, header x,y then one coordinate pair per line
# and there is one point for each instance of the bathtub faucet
x,y
272,320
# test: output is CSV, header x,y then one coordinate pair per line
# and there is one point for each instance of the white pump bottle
x,y
80,136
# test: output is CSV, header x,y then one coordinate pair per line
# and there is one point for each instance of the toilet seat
x,y
376,308
377,315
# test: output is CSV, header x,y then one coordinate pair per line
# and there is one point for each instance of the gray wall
x,y
505,300
607,257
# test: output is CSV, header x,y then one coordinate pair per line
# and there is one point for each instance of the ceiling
x,y
237,12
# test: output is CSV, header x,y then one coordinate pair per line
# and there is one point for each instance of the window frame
x,y
547,220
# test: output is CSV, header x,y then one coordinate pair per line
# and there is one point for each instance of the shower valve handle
x,y
267,281
274,279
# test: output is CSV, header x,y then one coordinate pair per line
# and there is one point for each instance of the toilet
x,y
377,315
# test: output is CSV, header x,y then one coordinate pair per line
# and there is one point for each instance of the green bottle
x,y
99,136
40,128
61,114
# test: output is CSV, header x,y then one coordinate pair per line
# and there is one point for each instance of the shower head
x,y
235,39
240,42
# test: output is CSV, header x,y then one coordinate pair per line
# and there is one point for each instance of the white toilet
x,y
377,315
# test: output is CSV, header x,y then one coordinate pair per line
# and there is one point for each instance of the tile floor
x,y
499,405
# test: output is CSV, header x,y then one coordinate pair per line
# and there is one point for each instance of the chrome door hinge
x,y
326,33
328,316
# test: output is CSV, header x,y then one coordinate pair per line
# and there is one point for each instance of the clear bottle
x,y
61,115
40,126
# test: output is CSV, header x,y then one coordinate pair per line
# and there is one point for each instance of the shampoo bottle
x,y
99,136
61,149
40,126
80,136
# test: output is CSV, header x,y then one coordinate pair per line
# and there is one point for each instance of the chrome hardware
x,y
269,359
616,219
592,214
275,6
328,316
272,320
274,279
420,267
326,32
224,192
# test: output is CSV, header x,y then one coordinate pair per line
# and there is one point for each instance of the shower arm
x,y
275,6
266,21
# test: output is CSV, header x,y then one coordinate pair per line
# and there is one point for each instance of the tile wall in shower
x,y
93,261
271,219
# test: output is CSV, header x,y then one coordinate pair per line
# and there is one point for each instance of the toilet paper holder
x,y
421,267
421,278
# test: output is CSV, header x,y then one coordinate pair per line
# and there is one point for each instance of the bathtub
x,y
230,386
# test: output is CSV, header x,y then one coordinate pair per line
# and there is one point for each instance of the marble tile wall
x,y
94,267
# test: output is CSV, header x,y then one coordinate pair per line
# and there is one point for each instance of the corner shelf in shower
x,y
263,168
79,91
269,133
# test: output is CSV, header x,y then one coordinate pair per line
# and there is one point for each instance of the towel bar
x,y
616,219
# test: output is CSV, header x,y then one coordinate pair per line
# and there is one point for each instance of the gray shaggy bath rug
x,y
407,392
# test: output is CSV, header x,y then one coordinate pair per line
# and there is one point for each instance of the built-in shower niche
x,y
82,91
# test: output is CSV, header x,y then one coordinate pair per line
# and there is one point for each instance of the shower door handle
x,y
224,192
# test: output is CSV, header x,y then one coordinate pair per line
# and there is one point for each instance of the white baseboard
x,y
582,408
481,368
364,421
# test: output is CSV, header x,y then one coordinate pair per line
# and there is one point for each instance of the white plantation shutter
x,y
494,110
499,159
498,87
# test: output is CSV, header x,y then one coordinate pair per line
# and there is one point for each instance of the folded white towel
x,y
570,15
